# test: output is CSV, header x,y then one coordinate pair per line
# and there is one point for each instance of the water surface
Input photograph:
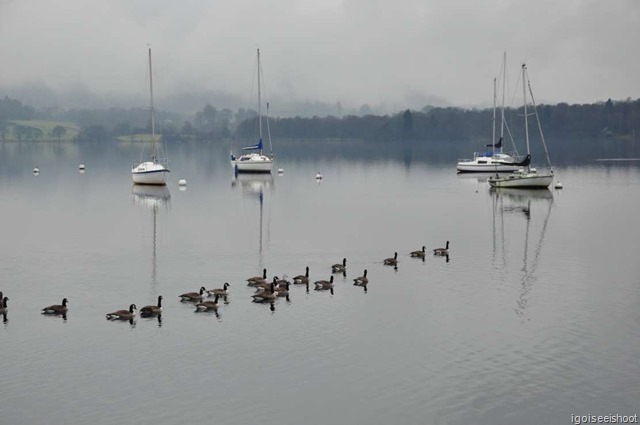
x,y
533,317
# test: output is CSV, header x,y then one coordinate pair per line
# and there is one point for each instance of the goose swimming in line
x,y
193,296
340,268
442,251
219,291
123,314
266,295
418,254
152,310
3,307
362,280
391,261
302,278
57,308
252,281
208,305
324,284
283,290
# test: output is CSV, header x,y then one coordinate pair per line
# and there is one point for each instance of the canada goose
x,y
283,290
252,281
302,278
391,261
340,268
323,284
418,254
193,296
362,280
56,309
152,310
123,314
3,308
219,291
441,251
263,286
208,305
266,295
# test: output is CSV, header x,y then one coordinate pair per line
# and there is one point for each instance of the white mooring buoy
x,y
36,170
558,185
182,182
318,176
280,171
81,167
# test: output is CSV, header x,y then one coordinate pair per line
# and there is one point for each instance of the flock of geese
x,y
266,291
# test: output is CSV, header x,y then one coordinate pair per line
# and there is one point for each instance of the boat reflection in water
x,y
153,198
530,209
255,186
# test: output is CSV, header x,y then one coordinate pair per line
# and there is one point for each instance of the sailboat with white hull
x,y
526,177
255,162
153,172
494,160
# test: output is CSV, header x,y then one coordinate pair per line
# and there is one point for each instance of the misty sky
x,y
404,53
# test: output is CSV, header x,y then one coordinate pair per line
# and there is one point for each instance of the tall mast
x,y
153,125
526,118
259,104
493,140
504,78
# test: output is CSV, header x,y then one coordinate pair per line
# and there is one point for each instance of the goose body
x,y
302,278
57,308
252,281
442,251
266,295
219,291
193,296
283,290
3,306
362,280
152,310
123,314
208,305
419,253
324,284
393,261
340,268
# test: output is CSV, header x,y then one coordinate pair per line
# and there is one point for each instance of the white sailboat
x,y
151,172
256,161
526,177
495,160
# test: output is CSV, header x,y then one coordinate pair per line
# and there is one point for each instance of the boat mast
x,y
259,106
504,78
526,118
154,156
493,137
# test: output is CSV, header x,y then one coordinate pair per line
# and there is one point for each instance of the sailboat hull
x,y
252,163
522,180
151,173
485,166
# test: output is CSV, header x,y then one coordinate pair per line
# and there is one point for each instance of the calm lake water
x,y
533,318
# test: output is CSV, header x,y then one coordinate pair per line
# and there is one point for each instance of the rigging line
x,y
535,110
